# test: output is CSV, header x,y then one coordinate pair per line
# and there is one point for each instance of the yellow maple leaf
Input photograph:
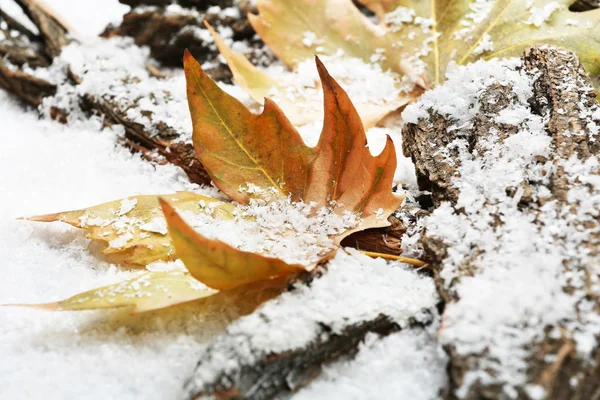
x,y
133,230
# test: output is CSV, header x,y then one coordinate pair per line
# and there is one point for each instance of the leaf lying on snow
x,y
464,31
238,147
133,230
258,161
149,291
415,39
218,264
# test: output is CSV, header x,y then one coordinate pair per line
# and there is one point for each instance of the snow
x,y
414,356
80,355
537,16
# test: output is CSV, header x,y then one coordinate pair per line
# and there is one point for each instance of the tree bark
x,y
563,94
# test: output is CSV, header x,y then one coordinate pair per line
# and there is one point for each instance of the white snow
x,y
414,356
537,16
51,167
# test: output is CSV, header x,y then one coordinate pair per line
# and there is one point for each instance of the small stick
x,y
411,261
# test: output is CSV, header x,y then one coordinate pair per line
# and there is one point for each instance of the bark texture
x,y
168,33
21,50
563,94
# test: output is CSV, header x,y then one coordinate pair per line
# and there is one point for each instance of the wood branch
x,y
279,349
169,33
562,100
53,31
22,48
30,89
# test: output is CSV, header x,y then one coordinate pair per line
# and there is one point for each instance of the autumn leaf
x,y
415,39
149,291
344,171
237,147
133,230
217,264
464,31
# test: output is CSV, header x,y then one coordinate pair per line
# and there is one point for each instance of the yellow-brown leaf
x,y
217,264
149,291
133,230
344,170
239,148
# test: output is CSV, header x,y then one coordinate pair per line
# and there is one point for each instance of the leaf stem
x,y
411,261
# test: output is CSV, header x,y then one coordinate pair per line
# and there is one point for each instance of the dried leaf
x,y
464,31
133,230
344,170
340,169
418,38
149,291
217,264
300,105
238,147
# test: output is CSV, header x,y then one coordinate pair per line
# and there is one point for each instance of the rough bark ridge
x,y
553,363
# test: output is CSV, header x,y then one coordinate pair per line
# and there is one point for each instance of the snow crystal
x,y
485,44
127,205
537,16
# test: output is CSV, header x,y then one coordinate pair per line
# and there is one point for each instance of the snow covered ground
x,y
101,355
49,167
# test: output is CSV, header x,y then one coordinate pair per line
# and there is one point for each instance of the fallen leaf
x,y
133,230
300,104
418,38
465,31
339,169
149,291
252,158
238,148
217,264
344,171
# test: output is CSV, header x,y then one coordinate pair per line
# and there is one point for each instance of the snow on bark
x,y
282,345
509,150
